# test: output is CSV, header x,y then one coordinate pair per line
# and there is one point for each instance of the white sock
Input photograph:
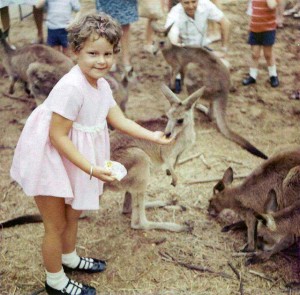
x,y
272,71
253,72
71,259
57,280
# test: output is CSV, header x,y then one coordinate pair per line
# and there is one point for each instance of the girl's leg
x,y
53,212
70,259
70,234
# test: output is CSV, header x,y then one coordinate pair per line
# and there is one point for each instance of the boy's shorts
x,y
57,37
263,38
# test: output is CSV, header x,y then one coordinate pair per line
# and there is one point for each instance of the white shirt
x,y
188,30
59,13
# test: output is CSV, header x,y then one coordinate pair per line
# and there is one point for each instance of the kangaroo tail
x,y
225,130
25,219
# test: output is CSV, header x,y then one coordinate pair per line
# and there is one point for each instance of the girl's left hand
x,y
159,137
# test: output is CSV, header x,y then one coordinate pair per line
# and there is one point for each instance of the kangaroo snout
x,y
168,134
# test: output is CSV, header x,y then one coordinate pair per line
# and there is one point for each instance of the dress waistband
x,y
90,129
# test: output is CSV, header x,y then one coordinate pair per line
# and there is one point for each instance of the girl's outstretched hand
x,y
103,174
159,137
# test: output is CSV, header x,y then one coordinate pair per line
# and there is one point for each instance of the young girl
x,y
60,155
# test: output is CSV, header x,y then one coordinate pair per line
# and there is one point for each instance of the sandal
x,y
289,12
296,15
88,265
295,95
71,288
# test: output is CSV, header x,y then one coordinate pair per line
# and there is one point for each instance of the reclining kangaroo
x,y
201,67
136,155
254,192
279,230
38,66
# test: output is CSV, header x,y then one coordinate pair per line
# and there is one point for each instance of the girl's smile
x,y
95,59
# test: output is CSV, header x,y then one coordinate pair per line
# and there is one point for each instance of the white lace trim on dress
x,y
89,129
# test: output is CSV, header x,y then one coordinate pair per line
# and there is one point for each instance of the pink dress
x,y
40,169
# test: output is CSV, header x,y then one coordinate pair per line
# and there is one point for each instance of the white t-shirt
x,y
188,30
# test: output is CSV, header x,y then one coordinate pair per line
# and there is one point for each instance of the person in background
x,y
59,15
125,12
189,20
262,38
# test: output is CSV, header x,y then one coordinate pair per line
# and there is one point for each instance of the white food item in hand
x,y
117,169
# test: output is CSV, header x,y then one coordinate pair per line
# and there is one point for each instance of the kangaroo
x,y
32,62
198,67
137,155
279,229
252,194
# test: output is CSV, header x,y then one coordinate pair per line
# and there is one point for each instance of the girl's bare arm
x,y
59,130
117,120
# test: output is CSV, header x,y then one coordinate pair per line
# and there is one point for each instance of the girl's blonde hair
x,y
95,24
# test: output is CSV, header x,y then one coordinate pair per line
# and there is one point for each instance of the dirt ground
x,y
138,261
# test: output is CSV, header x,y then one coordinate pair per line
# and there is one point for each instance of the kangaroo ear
x,y
219,187
267,220
157,28
192,99
170,95
271,204
168,29
228,176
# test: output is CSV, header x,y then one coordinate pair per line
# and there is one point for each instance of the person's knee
x,y
56,228
255,54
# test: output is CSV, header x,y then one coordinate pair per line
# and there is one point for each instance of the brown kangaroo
x,y
278,230
252,194
199,67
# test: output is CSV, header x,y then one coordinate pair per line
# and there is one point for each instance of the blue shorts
x,y
264,38
57,37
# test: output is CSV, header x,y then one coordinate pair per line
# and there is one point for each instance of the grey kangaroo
x,y
137,155
252,195
38,66
198,67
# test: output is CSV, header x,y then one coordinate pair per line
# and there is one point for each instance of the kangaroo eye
x,y
179,121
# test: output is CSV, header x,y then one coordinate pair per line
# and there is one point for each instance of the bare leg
x,y
70,233
269,55
5,18
38,15
255,54
53,212
125,45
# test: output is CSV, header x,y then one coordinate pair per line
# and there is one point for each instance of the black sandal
x,y
88,266
85,289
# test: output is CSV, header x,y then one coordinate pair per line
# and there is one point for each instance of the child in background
x,y
60,156
262,37
59,15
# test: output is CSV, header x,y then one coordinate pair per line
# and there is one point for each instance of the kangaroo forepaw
x,y
253,260
226,228
189,226
247,248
